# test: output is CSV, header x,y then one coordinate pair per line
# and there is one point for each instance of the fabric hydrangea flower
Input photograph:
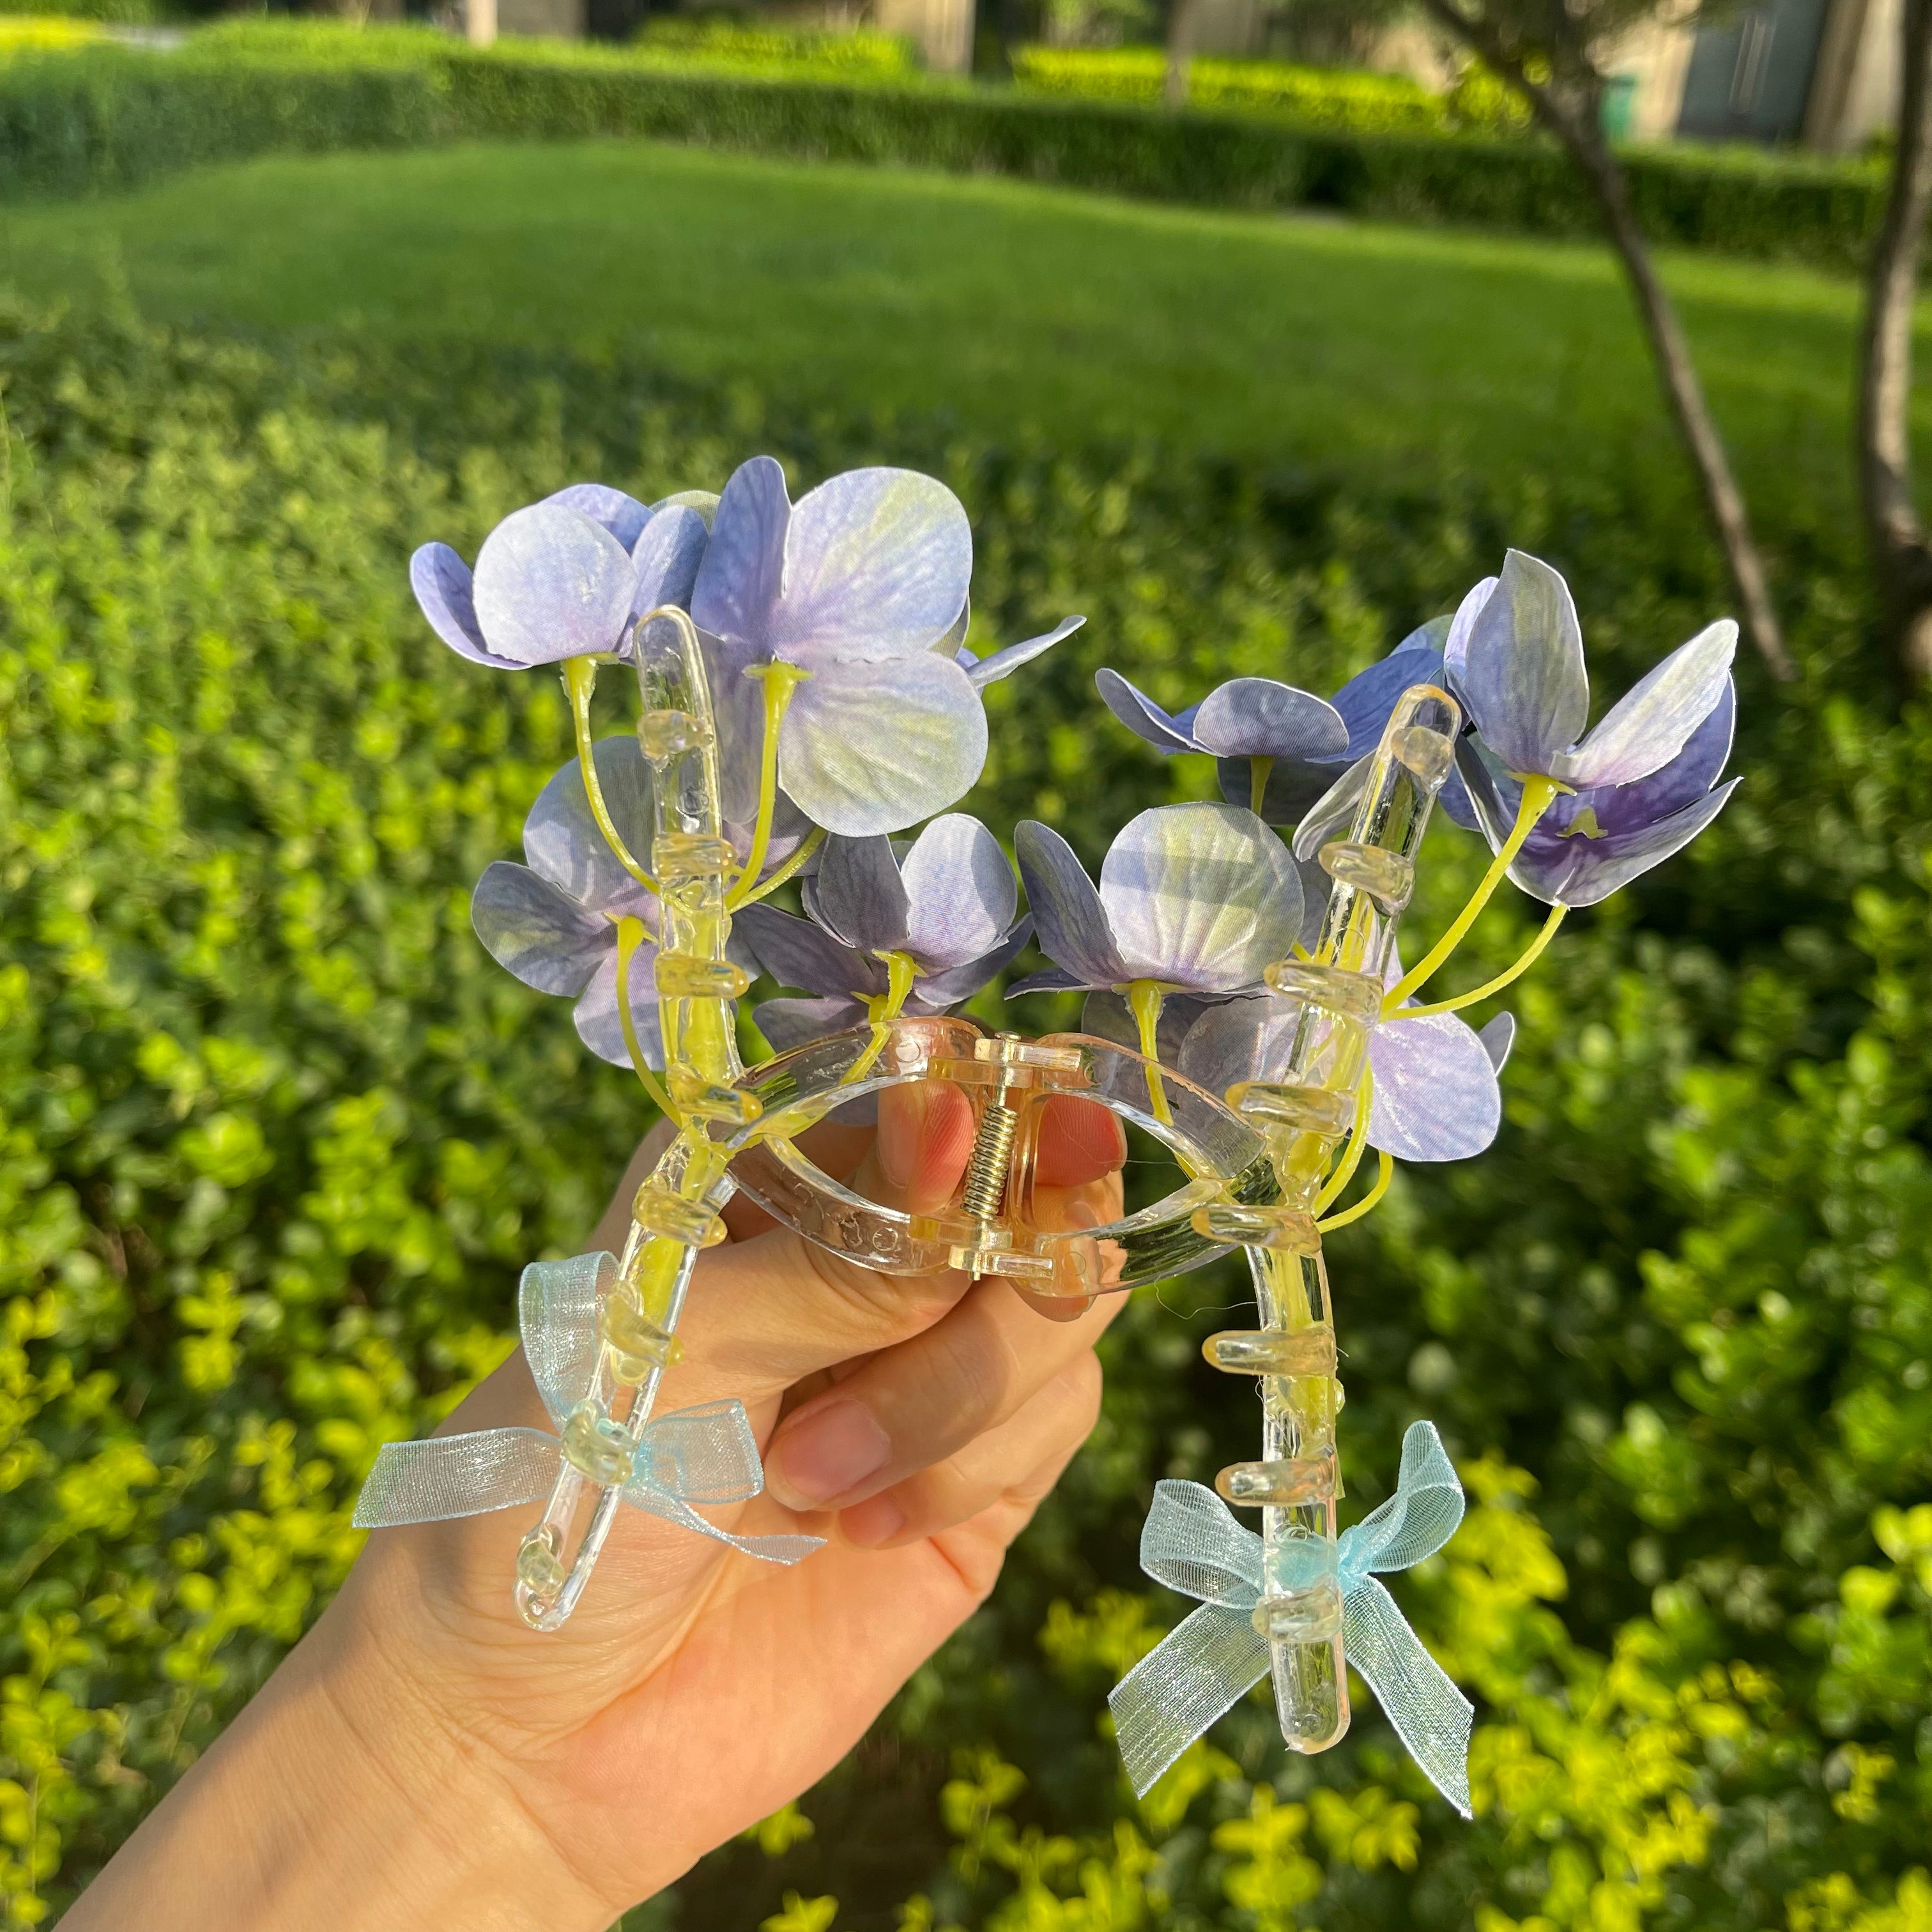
x,y
862,584
1196,898
1309,740
564,578
553,921
1515,656
1592,842
948,901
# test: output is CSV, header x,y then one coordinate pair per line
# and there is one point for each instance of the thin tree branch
x,y
1901,559
1571,115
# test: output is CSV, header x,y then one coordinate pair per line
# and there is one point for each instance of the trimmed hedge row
x,y
109,119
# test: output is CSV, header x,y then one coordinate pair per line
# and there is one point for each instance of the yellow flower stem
x,y
882,1009
790,869
1525,960
1145,998
1538,794
780,681
1258,769
1367,1202
1358,1138
580,679
631,935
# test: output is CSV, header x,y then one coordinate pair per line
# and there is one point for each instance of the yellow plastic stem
x,y
631,935
1145,998
1525,960
1358,1138
790,869
1258,769
780,681
882,1009
1538,794
1368,1200
580,679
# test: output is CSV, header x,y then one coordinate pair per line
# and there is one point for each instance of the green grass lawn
x,y
1007,305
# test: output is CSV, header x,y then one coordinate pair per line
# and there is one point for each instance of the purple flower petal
x,y
667,557
1292,787
1258,718
537,931
443,587
1688,776
1498,1037
786,1024
624,517
1365,702
596,1016
1140,714
738,716
1054,979
742,574
877,563
939,992
859,896
1334,813
963,898
1241,1040
1108,1016
1431,636
1002,664
1455,649
1069,919
875,747
1201,896
550,584
1652,723
795,953
1436,1094
1524,675
561,840
1588,871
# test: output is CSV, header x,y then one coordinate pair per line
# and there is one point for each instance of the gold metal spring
x,y
992,1158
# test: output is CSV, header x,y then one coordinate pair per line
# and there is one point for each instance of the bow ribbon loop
x,y
1192,1544
706,1454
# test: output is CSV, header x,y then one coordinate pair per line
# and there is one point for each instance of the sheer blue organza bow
x,y
702,1455
1192,1544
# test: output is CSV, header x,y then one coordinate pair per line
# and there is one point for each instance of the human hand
x,y
423,1759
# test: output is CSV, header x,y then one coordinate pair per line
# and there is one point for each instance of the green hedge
x,y
110,119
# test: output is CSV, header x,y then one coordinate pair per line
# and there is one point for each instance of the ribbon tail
x,y
1430,1715
450,1476
786,1550
1199,1670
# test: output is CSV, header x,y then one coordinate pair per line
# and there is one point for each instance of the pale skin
x,y
423,1760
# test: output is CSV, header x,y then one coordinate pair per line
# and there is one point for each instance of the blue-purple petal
x,y
961,895
538,931
742,573
551,584
1201,896
786,1024
1523,675
1436,1097
1140,714
1108,1016
1260,718
1069,919
1647,727
1456,648
1291,788
874,747
1002,664
1365,702
1498,1037
939,992
877,563
795,953
859,896
444,591
1233,1040
596,1015
562,842
624,517
667,557
1581,871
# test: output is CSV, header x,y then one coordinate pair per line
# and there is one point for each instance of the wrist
x,y
341,1799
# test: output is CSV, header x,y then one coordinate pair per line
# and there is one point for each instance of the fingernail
x,y
902,1112
868,1524
823,1454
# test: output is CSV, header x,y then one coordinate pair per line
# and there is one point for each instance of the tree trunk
x,y
479,21
1901,561
1576,126
1180,51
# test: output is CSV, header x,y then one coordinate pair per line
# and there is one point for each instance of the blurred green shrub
x,y
1317,97
858,52
275,1138
112,118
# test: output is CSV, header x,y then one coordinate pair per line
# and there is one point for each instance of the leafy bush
x,y
278,1137
856,52
23,33
1361,103
112,118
